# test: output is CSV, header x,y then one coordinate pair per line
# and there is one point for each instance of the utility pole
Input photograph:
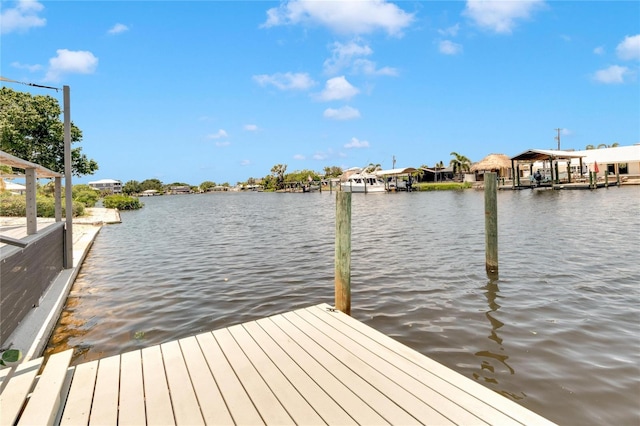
x,y
558,138
394,162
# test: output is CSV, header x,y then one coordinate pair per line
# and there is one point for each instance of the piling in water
x,y
343,252
491,223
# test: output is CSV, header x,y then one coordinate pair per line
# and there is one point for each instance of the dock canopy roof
x,y
42,172
545,154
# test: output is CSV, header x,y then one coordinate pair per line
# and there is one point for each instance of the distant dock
x,y
309,366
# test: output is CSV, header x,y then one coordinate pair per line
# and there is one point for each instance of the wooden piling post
x,y
491,223
343,252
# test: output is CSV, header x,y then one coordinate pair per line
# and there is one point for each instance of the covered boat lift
x,y
545,155
394,174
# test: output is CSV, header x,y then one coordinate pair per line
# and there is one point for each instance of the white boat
x,y
363,182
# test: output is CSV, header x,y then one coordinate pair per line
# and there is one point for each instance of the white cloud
x,y
344,113
629,48
351,56
615,74
118,28
342,55
286,81
220,134
299,157
338,88
451,31
355,143
245,162
71,62
250,127
30,68
22,17
599,50
223,143
449,48
367,67
345,17
501,16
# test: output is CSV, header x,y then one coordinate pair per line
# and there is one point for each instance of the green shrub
x,y
89,197
16,205
121,202
442,186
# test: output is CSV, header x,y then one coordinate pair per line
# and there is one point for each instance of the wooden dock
x,y
310,366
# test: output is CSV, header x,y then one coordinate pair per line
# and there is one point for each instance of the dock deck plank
x,y
17,388
212,405
104,409
156,391
311,366
44,403
78,404
131,410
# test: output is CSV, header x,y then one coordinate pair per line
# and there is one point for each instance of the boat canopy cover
x,y
545,154
396,172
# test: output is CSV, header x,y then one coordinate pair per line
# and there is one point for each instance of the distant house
x,y
14,188
181,189
107,185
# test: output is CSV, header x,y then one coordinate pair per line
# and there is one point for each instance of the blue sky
x,y
224,90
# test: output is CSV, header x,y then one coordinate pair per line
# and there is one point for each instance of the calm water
x,y
559,332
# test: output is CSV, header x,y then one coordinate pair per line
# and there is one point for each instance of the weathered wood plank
x,y
240,406
355,358
131,399
78,405
45,400
156,390
342,394
104,409
212,405
323,404
14,394
183,397
424,399
481,401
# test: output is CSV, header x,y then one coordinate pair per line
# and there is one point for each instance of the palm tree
x,y
589,147
460,164
372,168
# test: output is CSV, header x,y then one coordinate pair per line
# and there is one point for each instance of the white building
x,y
107,185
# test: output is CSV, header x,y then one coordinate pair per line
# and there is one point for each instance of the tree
x,y
278,172
32,130
372,168
151,184
332,171
207,185
460,164
590,147
132,187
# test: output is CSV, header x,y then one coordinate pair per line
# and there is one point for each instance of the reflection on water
x,y
494,358
558,331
